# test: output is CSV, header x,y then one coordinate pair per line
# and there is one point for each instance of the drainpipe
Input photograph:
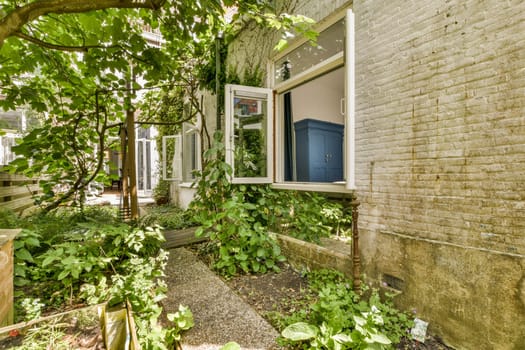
x,y
356,260
217,77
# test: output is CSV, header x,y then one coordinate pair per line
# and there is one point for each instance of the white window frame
x,y
346,59
177,158
231,91
188,128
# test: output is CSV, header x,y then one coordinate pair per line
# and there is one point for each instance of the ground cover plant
x,y
70,258
167,216
339,318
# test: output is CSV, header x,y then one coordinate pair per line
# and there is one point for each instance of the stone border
x,y
301,254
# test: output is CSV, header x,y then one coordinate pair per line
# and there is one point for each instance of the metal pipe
x,y
356,260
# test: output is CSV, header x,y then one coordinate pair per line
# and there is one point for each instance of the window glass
x,y
329,43
190,152
315,116
172,157
313,129
248,132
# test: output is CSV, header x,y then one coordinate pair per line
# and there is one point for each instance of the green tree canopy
x,y
80,63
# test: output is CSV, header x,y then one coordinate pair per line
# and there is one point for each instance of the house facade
x,y
419,110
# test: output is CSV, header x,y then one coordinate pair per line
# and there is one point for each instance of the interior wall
x,y
320,98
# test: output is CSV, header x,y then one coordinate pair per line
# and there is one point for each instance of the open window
x,y
248,133
172,157
181,154
191,152
315,92
314,116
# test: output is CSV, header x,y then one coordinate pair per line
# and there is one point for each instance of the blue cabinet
x,y
319,151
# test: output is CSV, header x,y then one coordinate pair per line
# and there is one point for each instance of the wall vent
x,y
393,282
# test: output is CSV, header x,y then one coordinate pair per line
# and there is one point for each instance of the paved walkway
x,y
221,316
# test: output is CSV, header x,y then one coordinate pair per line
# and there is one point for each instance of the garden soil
x,y
281,292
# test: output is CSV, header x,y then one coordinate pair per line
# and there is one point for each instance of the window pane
x,y
191,152
329,43
171,157
250,139
313,124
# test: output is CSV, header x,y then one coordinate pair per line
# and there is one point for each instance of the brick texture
x,y
440,157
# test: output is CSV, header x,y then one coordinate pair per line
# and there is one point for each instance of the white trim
x,y
313,187
327,65
231,91
350,100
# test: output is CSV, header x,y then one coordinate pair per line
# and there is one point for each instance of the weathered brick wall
x,y
440,158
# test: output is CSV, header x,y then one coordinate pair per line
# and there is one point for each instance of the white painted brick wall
x,y
440,120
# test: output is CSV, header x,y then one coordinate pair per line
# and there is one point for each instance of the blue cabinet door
x,y
319,151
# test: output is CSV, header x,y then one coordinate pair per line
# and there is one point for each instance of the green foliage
x,y
95,261
168,217
161,192
239,242
303,215
341,319
32,308
9,219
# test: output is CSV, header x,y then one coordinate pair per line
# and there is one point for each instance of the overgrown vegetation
x,y
238,241
338,318
169,217
70,258
237,217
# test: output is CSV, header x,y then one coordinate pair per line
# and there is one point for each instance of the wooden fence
x,y
16,192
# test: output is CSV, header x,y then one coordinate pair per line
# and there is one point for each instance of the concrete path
x,y
221,316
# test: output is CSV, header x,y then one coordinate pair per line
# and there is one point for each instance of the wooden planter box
x,y
6,275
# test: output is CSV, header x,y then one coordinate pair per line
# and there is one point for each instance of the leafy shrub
x,y
93,262
239,241
341,319
9,219
161,192
304,215
168,217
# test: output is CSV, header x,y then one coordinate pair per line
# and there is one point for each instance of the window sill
x,y
186,185
338,187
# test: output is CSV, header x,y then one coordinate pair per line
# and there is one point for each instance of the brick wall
x,y
441,161
440,157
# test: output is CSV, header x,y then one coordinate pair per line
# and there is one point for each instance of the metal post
x,y
356,260
217,78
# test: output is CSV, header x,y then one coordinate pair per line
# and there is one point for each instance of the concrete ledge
x,y
301,254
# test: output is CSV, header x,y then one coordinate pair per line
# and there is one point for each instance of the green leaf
x,y
231,346
300,331
48,260
261,252
378,338
24,254
63,275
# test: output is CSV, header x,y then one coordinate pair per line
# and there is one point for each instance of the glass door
x,y
144,170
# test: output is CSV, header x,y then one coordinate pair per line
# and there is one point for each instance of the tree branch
x,y
15,20
51,46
